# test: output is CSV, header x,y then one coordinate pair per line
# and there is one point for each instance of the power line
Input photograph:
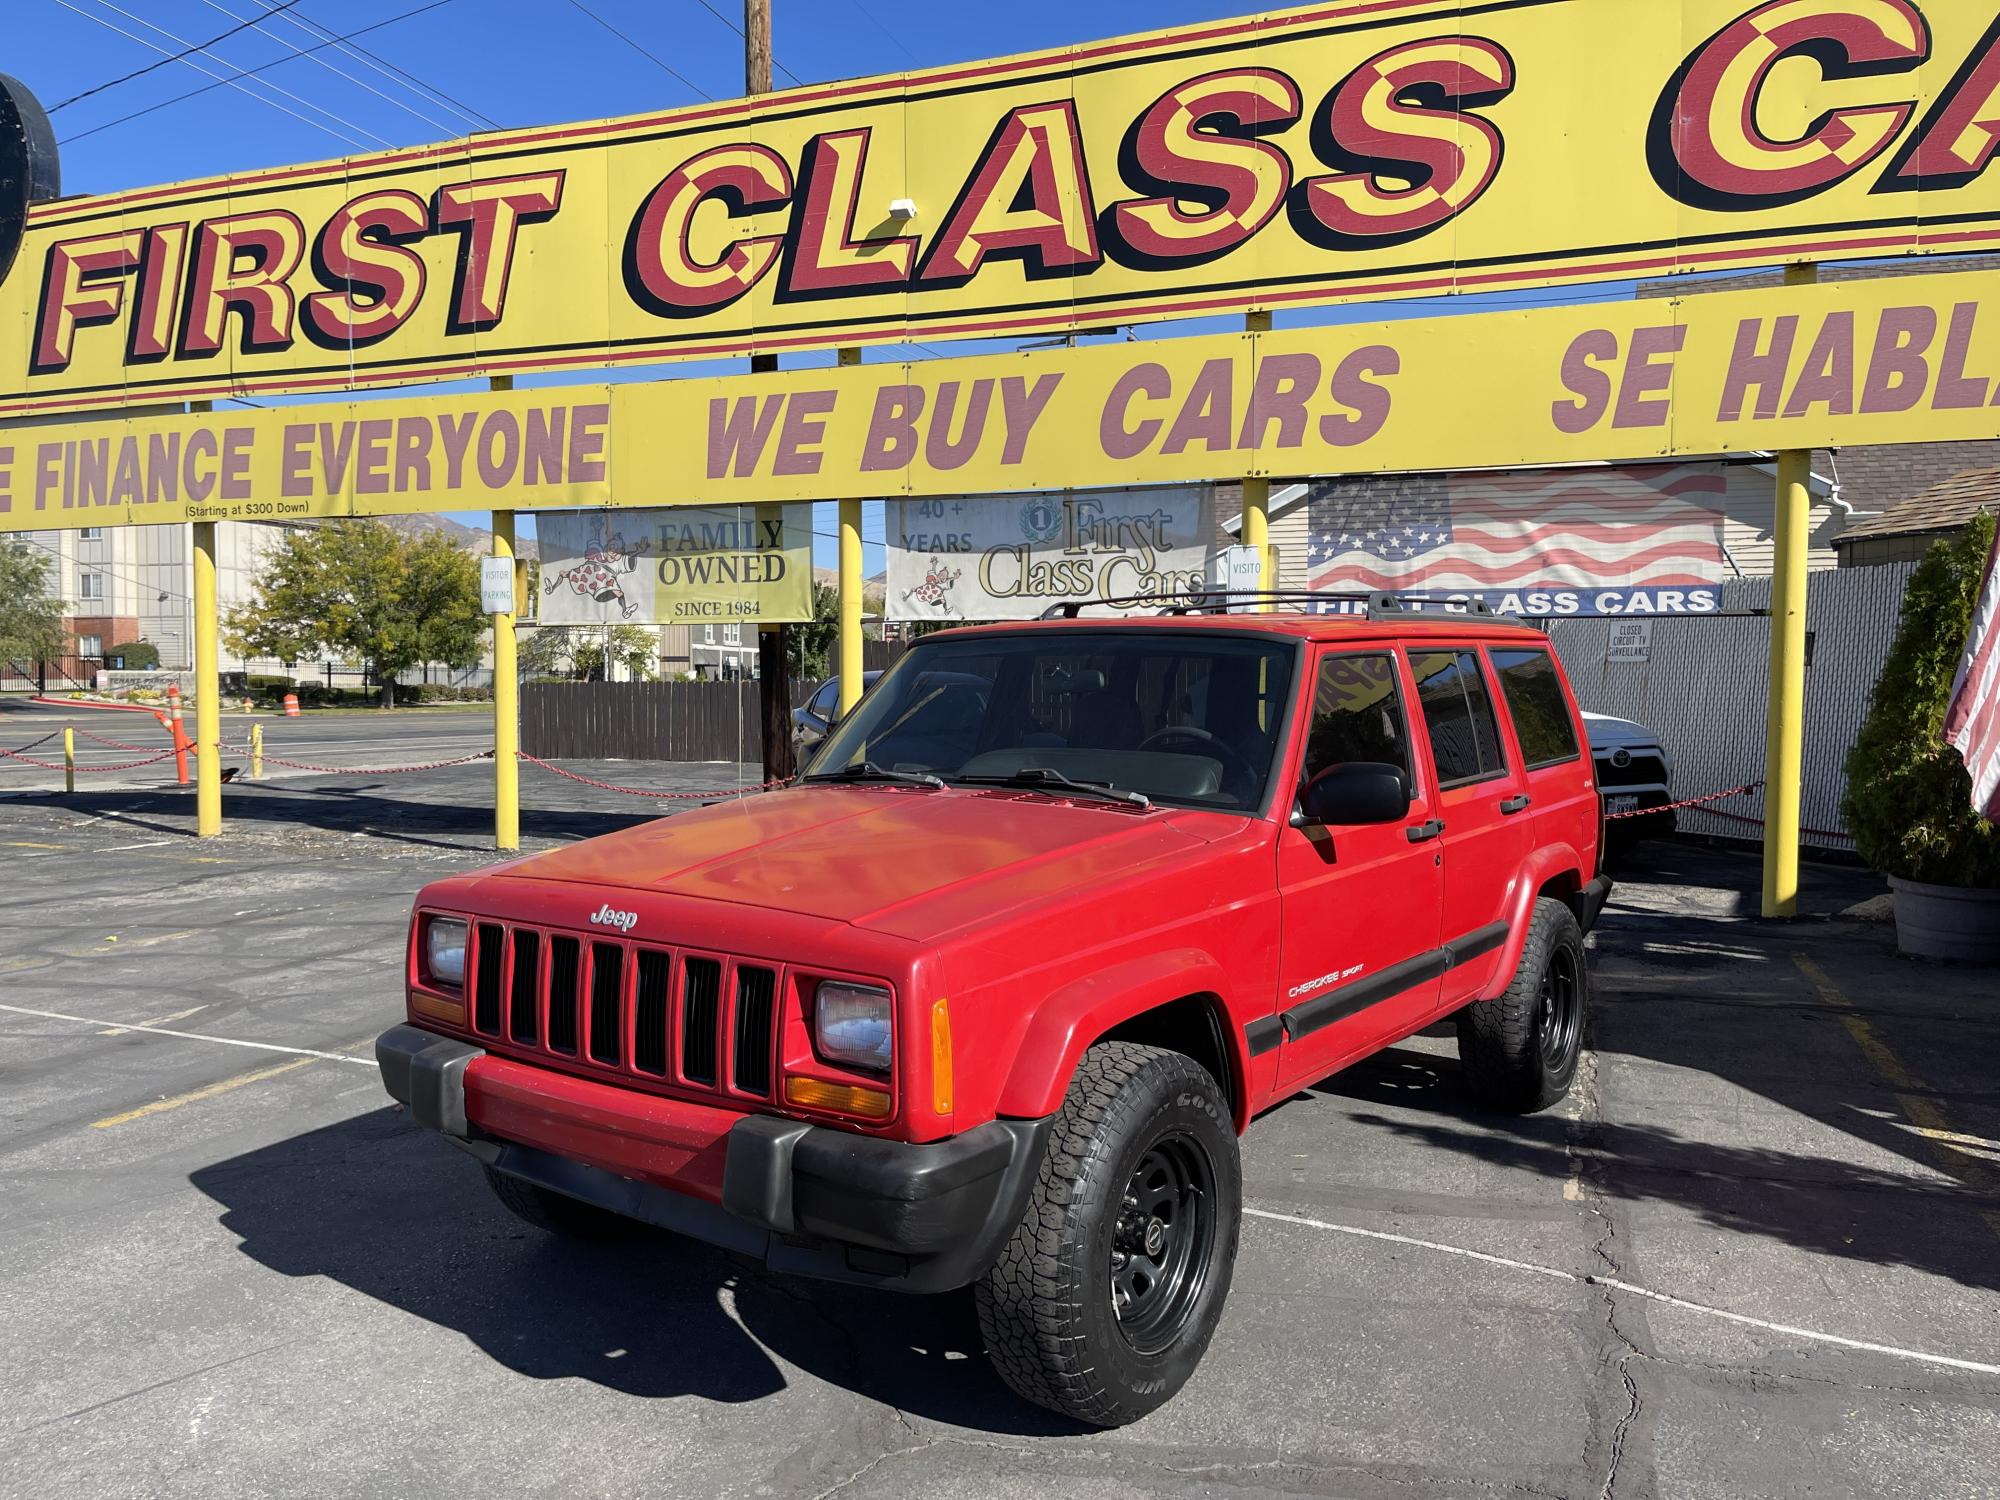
x,y
209,88
320,62
232,80
868,16
739,31
663,67
383,65
153,66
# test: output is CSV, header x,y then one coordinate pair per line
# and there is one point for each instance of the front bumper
x,y
805,1199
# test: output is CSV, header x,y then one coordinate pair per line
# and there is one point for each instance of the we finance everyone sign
x,y
1365,149
1893,360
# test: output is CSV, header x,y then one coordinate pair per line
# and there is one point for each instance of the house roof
x,y
1945,506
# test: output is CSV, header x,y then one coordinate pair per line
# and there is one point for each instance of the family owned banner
x,y
688,565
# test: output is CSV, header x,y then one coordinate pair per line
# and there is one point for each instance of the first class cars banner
x,y
1365,149
1891,360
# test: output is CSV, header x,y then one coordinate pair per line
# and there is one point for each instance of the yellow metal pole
x,y
851,670
506,704
1784,735
69,760
207,688
256,752
1257,495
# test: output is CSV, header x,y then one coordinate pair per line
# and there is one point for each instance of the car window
x,y
1357,715
1534,697
1178,715
824,700
1465,741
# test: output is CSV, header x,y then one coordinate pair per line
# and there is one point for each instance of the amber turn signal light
x,y
847,1098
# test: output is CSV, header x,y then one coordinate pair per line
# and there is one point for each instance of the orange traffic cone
x,y
291,705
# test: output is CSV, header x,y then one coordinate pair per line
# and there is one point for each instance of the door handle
x,y
1423,833
1516,804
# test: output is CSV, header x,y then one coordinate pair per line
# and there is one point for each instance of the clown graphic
x,y
597,576
938,581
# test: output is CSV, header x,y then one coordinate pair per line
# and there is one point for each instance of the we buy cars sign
x,y
1368,149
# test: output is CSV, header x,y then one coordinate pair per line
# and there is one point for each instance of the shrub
x,y
1909,798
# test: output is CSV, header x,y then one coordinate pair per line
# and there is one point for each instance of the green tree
x,y
31,618
812,641
1909,798
579,651
362,590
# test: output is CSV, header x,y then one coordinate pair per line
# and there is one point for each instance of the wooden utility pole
x,y
774,677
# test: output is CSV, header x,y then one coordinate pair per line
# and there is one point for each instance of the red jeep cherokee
x,y
988,995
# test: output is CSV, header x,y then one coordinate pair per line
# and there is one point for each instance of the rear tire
x,y
554,1212
1106,1297
1520,1051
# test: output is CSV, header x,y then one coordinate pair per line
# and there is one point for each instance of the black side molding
x,y
1351,999
1592,900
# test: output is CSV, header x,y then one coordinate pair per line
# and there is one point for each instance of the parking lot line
x,y
1557,1273
195,1096
179,1015
1909,1091
192,1036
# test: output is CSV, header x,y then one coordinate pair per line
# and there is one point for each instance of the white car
x,y
1634,772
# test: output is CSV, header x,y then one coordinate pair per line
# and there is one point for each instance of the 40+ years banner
x,y
1009,557
1340,151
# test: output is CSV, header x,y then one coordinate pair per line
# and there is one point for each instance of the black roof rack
x,y
1375,606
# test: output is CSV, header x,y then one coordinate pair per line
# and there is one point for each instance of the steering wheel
x,y
1237,764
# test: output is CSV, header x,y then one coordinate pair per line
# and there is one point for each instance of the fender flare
x,y
1070,1019
1543,865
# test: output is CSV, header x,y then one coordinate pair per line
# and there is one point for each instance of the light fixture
x,y
902,208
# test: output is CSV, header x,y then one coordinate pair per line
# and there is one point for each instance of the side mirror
x,y
1361,791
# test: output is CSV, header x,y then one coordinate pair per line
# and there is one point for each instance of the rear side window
x,y
1534,697
1465,741
1357,715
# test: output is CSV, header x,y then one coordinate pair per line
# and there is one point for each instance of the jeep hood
x,y
914,862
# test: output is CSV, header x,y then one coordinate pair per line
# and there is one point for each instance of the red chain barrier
x,y
114,744
435,765
633,791
42,741
47,765
1647,812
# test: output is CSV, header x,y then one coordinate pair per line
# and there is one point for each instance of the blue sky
x,y
437,68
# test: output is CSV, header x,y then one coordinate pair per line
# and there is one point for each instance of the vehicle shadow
x,y
361,808
387,1209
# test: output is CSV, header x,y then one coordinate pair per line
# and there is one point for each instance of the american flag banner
x,y
1972,719
1581,533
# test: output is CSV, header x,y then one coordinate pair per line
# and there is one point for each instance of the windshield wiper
x,y
867,770
1048,779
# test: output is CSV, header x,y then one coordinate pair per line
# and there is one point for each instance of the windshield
x,y
1175,715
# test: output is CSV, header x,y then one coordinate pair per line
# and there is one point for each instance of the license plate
x,y
1621,804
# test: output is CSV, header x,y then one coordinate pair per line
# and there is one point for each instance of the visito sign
x,y
1358,150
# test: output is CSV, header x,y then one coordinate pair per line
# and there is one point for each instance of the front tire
x,y
1520,1051
1106,1297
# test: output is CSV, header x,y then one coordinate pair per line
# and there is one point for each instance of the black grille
x,y
565,962
701,1002
524,1025
756,990
650,999
607,984
1642,770
486,977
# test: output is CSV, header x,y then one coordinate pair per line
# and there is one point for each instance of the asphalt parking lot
x,y
1757,1254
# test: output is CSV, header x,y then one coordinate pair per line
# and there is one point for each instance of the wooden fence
x,y
641,721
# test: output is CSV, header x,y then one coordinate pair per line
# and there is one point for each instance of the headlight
x,y
852,1023
444,951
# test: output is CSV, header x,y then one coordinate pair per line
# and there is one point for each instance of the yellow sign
x,y
709,564
1899,359
1344,151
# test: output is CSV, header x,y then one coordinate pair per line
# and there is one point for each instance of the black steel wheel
x,y
1106,1297
1520,1050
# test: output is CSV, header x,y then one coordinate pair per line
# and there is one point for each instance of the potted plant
x,y
1909,798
